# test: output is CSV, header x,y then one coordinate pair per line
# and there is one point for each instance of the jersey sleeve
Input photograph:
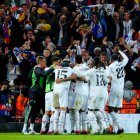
x,y
81,74
125,58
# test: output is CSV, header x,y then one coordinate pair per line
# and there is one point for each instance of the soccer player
x,y
80,101
117,85
49,109
98,80
36,94
60,96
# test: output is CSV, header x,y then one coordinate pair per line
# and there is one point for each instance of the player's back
x,y
117,73
98,77
61,73
81,87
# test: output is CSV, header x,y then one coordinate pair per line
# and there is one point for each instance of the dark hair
x,y
114,57
24,4
78,59
54,59
97,62
30,30
103,53
96,14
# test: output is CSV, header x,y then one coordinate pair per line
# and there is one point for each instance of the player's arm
x,y
72,77
125,58
81,78
41,72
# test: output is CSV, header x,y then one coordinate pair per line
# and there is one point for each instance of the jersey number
x,y
120,72
100,80
62,74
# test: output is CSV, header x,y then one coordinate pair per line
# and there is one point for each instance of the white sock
x,y
32,126
105,118
84,121
109,119
24,127
56,117
76,119
92,120
101,129
115,120
72,119
80,121
62,121
101,119
51,123
45,120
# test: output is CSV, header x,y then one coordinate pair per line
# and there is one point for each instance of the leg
x,y
51,127
93,122
62,119
26,119
45,120
56,118
71,112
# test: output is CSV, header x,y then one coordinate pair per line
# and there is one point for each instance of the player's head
x,y
97,62
66,63
78,59
114,58
55,60
40,60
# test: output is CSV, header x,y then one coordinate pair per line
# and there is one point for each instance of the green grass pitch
x,y
18,136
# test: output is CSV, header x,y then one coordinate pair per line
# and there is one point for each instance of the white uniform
x,y
81,89
61,90
98,80
117,84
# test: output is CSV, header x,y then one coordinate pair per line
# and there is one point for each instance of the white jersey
x,y
61,73
81,87
98,78
117,72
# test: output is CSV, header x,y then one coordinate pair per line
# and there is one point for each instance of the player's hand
x,y
74,77
58,81
109,77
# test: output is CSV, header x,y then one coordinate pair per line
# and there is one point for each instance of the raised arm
x,y
125,58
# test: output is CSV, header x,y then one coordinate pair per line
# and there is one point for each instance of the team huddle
x,y
81,90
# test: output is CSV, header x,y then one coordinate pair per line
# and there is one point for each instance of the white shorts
x,y
60,97
97,100
49,101
80,102
115,98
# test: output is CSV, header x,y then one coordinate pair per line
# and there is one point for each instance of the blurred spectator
x,y
62,32
3,62
6,101
127,24
21,102
115,27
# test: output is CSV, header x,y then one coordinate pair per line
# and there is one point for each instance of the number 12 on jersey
x,y
100,80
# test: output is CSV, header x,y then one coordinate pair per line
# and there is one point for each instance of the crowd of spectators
x,y
60,28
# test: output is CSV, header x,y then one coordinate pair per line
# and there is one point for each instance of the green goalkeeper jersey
x,y
50,79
